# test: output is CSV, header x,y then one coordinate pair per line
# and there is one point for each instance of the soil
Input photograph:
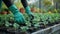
x,y
3,29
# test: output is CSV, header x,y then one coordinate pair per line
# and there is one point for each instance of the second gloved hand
x,y
30,14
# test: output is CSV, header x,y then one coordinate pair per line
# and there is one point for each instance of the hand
x,y
19,18
28,11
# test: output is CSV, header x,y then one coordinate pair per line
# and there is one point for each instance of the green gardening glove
x,y
17,15
0,5
30,14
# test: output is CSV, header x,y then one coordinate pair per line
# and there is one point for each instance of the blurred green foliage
x,y
44,18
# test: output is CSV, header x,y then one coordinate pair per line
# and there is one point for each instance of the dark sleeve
x,y
8,2
24,3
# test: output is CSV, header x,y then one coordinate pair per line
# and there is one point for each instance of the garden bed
x,y
42,22
55,29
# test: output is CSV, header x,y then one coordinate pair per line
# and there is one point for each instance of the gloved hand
x,y
0,4
17,15
30,14
19,18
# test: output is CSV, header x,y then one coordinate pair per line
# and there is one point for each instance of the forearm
x,y
11,6
25,5
8,3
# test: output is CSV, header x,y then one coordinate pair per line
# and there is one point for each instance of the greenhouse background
x,y
41,4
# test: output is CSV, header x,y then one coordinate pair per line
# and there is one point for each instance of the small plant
x,y
24,28
16,26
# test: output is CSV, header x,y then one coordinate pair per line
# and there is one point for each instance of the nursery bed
x,y
55,29
50,30
41,24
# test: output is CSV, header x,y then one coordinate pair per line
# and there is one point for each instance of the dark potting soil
x,y
4,30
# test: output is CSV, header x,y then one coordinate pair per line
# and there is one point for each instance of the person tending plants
x,y
18,16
